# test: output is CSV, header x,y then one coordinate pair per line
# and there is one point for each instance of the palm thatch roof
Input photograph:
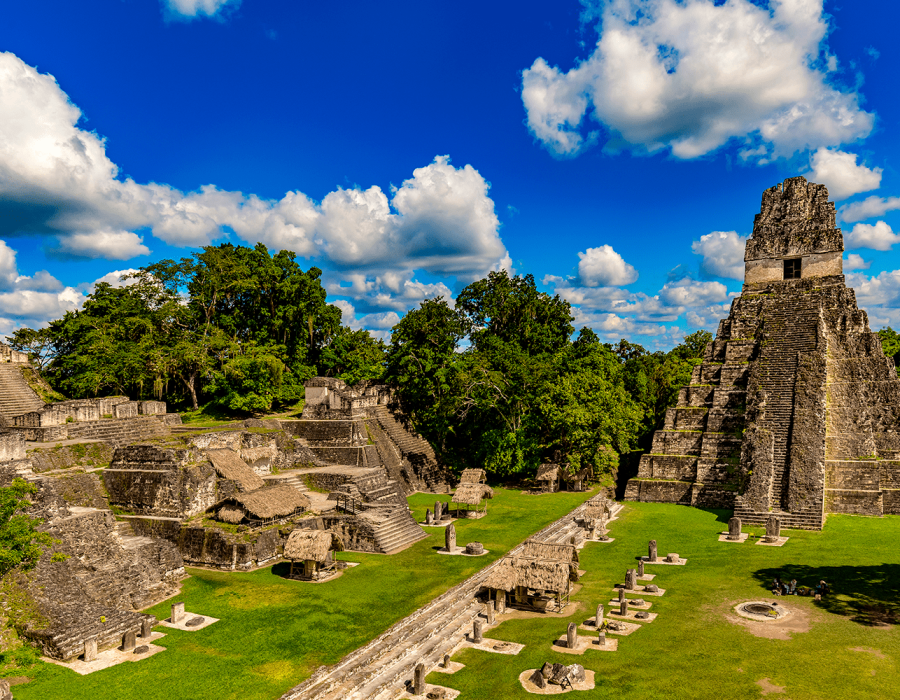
x,y
230,514
229,465
541,575
551,552
272,502
471,494
471,476
312,545
547,472
266,453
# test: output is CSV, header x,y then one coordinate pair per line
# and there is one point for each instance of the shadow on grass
x,y
868,595
722,516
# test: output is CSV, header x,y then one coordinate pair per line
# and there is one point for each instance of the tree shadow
x,y
628,467
722,516
868,595
282,569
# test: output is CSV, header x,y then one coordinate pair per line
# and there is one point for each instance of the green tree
x,y
20,542
352,356
890,343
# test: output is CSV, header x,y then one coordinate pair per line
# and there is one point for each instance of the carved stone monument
x,y
630,579
477,631
450,538
773,528
177,612
640,571
571,636
734,529
652,551
90,649
129,641
419,680
428,519
598,619
146,628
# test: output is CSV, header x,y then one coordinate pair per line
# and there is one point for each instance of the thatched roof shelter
x,y
230,513
229,465
312,545
472,476
270,503
537,574
547,472
552,552
471,494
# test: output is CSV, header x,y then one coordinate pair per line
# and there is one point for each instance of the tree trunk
x,y
192,387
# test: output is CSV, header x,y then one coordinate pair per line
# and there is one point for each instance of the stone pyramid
x,y
795,410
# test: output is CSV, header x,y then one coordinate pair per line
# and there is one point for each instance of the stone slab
x,y
777,543
632,615
641,591
662,560
443,523
512,649
723,537
111,657
629,628
590,539
207,621
586,684
460,552
614,604
582,644
449,693
646,577
453,667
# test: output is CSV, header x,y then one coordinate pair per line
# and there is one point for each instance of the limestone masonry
x,y
795,410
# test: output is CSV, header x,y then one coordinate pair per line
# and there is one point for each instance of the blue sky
x,y
615,150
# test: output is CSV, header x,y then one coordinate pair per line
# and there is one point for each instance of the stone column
x,y
489,612
652,548
734,529
621,594
623,608
773,528
450,538
177,612
477,631
601,639
437,512
446,662
428,519
419,680
630,579
129,641
146,628
90,649
640,568
501,601
571,636
598,619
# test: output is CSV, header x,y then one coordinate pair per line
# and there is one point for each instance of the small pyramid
x,y
795,410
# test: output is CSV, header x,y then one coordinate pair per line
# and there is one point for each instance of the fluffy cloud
x,y
869,208
878,236
856,262
56,179
839,172
603,266
190,9
690,76
723,254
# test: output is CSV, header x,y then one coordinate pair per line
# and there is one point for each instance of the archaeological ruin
x,y
795,410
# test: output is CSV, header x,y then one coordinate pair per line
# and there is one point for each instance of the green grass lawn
x,y
850,649
273,633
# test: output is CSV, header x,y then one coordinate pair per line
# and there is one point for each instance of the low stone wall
x,y
12,446
152,408
659,491
128,409
854,502
222,550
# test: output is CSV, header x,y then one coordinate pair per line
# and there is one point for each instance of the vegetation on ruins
x,y
497,378
20,542
890,343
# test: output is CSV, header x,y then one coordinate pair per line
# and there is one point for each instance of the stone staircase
x,y
791,327
811,519
414,449
16,397
394,528
119,432
380,669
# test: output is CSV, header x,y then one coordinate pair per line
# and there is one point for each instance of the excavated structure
x,y
795,410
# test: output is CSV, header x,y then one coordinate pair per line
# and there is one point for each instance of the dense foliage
x,y
497,378
20,542
233,325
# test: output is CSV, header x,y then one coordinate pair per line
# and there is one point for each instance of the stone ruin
x,y
795,410
558,674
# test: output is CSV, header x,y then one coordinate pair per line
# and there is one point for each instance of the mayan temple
x,y
795,410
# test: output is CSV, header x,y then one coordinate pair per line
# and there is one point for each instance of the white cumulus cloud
x,y
603,266
189,9
691,76
839,172
877,236
723,254
869,208
856,262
